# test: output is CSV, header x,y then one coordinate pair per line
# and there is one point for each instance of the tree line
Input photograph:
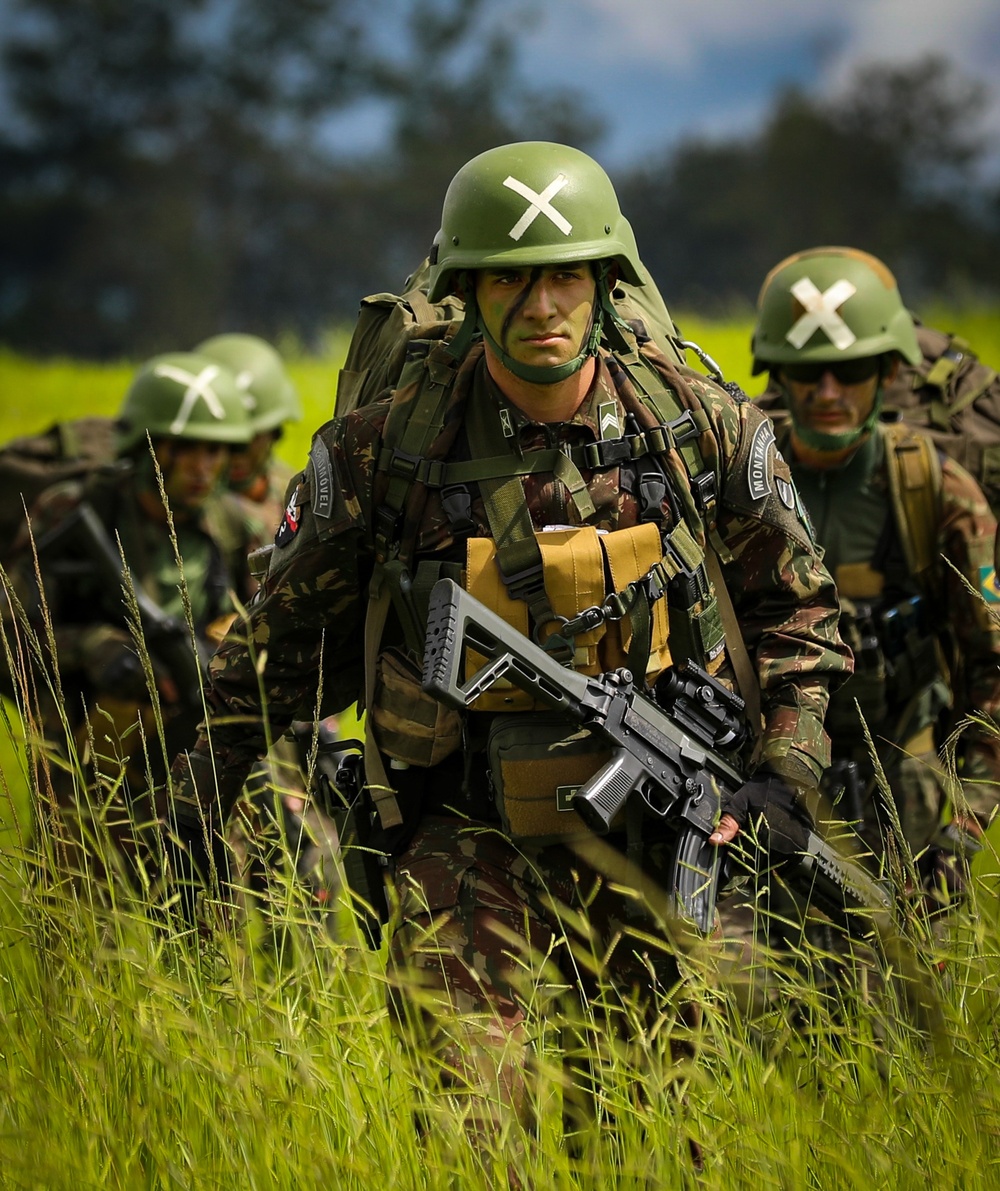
x,y
172,168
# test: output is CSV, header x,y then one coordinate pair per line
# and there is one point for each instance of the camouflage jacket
x,y
77,593
307,622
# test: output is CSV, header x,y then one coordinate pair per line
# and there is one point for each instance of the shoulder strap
x,y
914,470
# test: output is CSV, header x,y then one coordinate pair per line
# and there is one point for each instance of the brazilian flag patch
x,y
988,585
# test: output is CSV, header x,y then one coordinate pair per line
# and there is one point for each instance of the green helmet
x,y
260,375
527,205
183,395
531,203
830,304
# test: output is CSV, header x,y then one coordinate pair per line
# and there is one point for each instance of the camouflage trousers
x,y
489,933
94,817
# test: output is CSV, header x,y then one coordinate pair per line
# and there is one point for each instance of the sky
x,y
659,69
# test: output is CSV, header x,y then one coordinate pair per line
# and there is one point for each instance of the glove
x,y
112,665
786,822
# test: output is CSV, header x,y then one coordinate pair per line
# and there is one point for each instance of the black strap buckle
x,y
683,428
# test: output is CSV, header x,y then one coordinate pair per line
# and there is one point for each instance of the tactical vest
x,y
673,460
895,643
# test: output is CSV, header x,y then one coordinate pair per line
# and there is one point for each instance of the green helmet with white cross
x,y
183,395
830,304
260,375
531,203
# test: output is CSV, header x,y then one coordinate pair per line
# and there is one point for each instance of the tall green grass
x,y
129,1058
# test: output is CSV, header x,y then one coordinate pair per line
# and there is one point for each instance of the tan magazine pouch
x,y
580,567
537,763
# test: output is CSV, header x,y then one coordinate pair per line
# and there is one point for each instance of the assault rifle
x,y
167,638
678,760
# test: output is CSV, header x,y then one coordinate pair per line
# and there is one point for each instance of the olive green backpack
x,y
955,398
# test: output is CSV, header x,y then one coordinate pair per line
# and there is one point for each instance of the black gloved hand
x,y
786,822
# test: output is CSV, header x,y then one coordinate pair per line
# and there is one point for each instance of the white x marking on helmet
x,y
199,386
538,204
821,312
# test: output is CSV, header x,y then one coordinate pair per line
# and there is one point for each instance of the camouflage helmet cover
x,y
829,304
183,395
531,203
260,376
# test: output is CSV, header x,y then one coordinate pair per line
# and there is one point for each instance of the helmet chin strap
x,y
537,374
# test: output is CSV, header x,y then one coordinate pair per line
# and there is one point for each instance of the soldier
x,y
95,704
526,458
255,475
266,826
906,532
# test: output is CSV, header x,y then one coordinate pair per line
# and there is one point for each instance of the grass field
x,y
129,1060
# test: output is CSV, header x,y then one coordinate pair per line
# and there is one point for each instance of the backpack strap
x,y
914,470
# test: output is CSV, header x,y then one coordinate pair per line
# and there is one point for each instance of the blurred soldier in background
x,y
108,682
894,515
255,475
278,816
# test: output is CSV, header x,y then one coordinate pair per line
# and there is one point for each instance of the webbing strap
x,y
410,428
973,392
914,471
739,656
382,793
518,554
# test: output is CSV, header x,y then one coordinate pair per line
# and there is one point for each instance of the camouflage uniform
x,y
312,606
851,509
103,707
76,672
926,646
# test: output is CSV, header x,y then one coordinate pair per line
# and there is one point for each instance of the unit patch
x,y
786,492
322,479
760,466
290,522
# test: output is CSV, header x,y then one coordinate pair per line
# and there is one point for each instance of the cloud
x,y
661,68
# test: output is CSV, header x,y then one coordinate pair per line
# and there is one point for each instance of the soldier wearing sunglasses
x,y
908,536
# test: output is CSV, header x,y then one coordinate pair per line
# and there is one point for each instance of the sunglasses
x,y
847,372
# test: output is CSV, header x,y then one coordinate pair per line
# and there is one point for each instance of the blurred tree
x,y
168,171
891,166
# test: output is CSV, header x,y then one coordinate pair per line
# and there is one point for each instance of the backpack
x,y
955,399
30,464
388,322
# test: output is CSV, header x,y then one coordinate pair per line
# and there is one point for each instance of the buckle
x,y
683,428
403,464
522,583
705,492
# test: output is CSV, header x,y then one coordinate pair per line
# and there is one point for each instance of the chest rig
x,y
669,445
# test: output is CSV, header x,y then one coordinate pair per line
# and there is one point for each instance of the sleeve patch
x,y
988,585
322,478
760,466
